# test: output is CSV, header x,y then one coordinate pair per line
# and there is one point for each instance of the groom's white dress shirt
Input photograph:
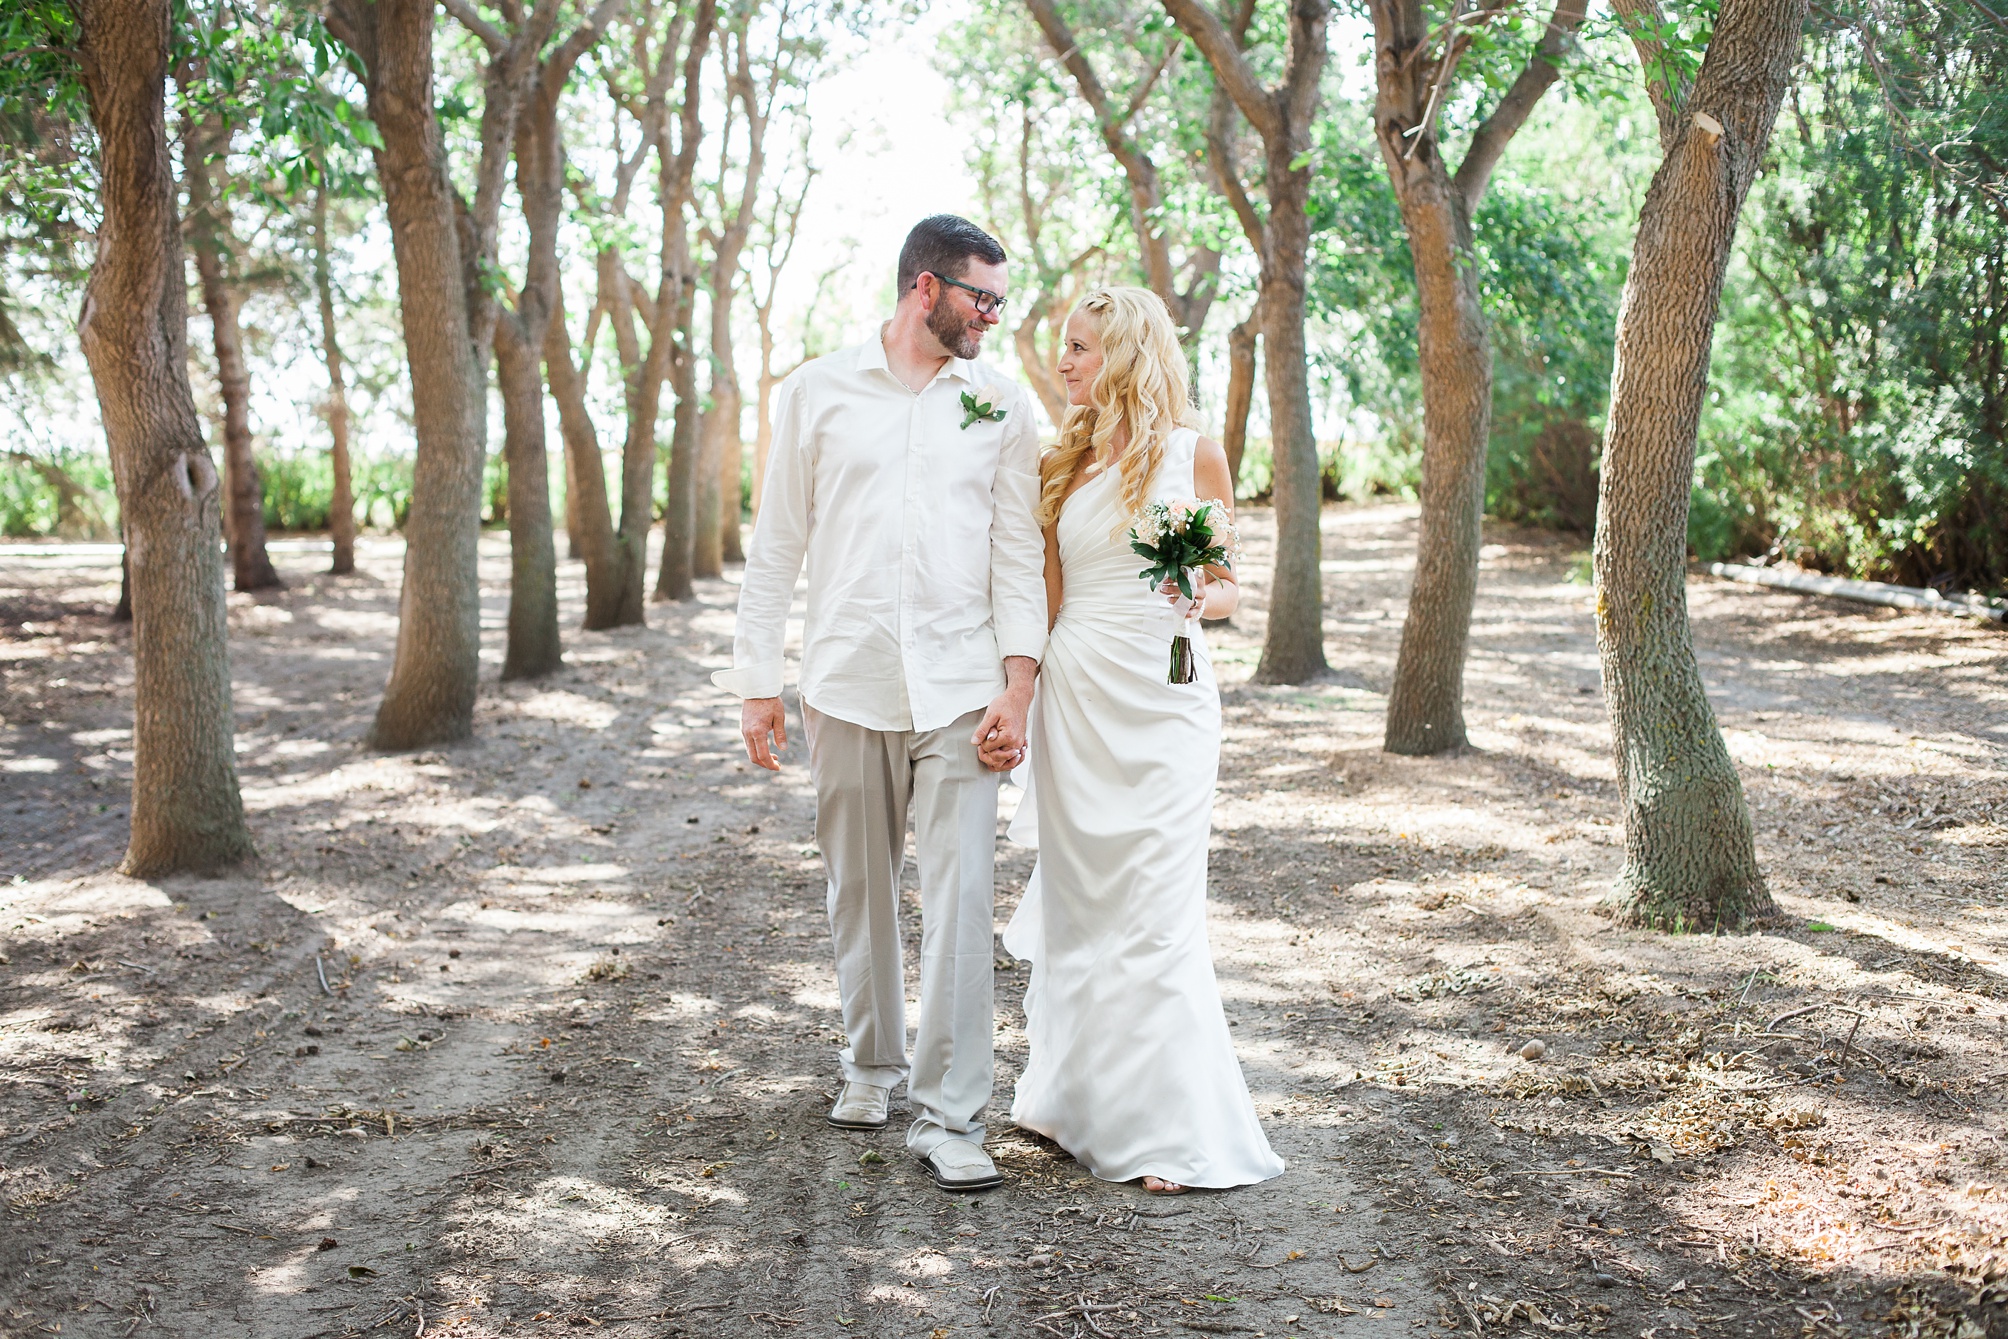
x,y
926,567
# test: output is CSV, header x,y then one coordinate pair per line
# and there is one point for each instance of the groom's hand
x,y
762,719
1000,738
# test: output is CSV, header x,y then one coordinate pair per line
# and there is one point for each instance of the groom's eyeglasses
x,y
987,302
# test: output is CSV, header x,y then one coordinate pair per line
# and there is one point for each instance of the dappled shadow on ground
x,y
568,1067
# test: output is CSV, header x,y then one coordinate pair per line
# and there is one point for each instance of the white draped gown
x,y
1131,1068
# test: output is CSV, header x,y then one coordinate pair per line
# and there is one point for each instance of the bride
x,y
1131,1069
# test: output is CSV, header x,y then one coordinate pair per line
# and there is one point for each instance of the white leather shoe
x,y
860,1106
961,1164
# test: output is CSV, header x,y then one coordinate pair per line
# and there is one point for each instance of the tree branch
x,y
1642,19
1543,67
470,18
1230,68
1227,172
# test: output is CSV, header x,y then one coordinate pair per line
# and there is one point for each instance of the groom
x,y
906,474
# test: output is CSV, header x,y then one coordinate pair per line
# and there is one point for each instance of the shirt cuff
x,y
1021,639
751,680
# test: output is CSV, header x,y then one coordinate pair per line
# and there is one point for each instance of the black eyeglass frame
x,y
997,300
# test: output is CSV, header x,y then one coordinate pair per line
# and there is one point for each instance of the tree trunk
x,y
723,449
1293,649
707,547
521,334
1043,373
673,579
186,810
1412,80
436,672
728,405
209,238
572,522
1690,857
591,524
1240,393
342,509
533,649
122,611
1425,710
638,460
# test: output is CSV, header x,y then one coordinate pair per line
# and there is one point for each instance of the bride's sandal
x,y
1157,1185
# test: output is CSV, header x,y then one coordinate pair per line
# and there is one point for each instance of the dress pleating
x,y
1132,1069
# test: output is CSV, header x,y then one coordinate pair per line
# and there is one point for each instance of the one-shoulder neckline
x,y
1068,501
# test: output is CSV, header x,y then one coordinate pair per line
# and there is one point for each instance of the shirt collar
x,y
871,357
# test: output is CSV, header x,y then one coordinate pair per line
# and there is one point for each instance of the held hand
x,y
1192,608
1000,737
762,719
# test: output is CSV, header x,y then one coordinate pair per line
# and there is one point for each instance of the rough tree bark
x,y
717,541
203,146
1293,648
433,679
590,520
1690,857
675,575
342,507
521,331
1425,711
186,810
676,304
1240,392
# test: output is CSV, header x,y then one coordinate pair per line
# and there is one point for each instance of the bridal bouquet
x,y
1177,539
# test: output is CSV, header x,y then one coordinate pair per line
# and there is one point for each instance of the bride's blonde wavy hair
x,y
1142,386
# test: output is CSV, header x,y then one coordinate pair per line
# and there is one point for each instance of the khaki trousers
x,y
865,781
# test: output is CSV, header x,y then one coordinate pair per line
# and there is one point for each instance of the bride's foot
x,y
1157,1185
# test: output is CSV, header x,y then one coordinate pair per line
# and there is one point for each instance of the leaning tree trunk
x,y
638,460
433,680
679,518
533,645
1240,393
1425,709
186,810
590,520
707,552
724,454
1690,857
342,507
727,406
1293,649
250,565
533,648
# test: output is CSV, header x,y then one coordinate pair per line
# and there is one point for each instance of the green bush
x,y
69,494
299,489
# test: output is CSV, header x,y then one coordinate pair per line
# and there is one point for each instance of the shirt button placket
x,y
908,567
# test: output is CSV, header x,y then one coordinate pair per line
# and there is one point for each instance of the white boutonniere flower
x,y
986,405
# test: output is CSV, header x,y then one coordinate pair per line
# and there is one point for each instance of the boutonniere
x,y
983,405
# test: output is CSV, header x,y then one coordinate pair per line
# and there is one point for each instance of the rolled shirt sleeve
x,y
774,556
1017,548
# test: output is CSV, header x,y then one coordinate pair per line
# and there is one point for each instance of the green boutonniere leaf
x,y
974,409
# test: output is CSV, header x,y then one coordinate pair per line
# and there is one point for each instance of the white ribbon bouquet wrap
x,y
1178,538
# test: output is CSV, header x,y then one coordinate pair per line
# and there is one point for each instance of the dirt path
x,y
569,1067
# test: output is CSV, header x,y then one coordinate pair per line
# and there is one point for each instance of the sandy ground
x,y
570,1062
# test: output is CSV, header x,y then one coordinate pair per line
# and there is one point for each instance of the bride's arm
x,y
1052,575
1210,479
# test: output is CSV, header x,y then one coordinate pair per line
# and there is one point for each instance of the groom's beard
x,y
954,332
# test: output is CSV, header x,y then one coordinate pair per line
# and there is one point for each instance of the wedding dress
x,y
1132,1069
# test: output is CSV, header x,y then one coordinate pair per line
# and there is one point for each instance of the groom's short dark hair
x,y
944,244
